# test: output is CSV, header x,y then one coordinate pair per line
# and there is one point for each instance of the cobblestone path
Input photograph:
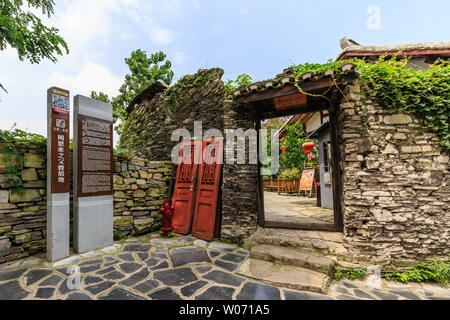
x,y
155,268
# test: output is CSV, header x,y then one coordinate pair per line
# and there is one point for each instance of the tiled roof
x,y
288,78
426,48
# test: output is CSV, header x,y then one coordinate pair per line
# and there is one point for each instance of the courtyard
x,y
179,268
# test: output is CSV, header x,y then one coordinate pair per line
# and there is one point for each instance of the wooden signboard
x,y
60,140
307,181
95,161
293,101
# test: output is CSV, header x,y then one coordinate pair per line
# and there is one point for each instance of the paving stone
x,y
105,270
284,276
160,256
213,254
11,275
222,246
405,293
340,289
53,281
130,267
30,262
243,252
70,260
216,293
133,247
169,242
348,284
162,265
147,286
115,275
152,262
98,288
127,256
362,294
189,239
136,278
191,289
91,279
293,295
88,263
110,249
90,254
256,291
45,293
35,275
425,293
385,296
203,269
346,297
200,243
12,291
64,289
185,255
109,264
78,296
109,259
164,294
226,265
175,277
224,278
233,258
120,294
143,256
90,268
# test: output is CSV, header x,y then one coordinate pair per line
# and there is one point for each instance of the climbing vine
x,y
16,138
402,89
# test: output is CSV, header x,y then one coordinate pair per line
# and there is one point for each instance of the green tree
x,y
144,72
292,154
25,32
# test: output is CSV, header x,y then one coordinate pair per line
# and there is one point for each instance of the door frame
x,y
338,225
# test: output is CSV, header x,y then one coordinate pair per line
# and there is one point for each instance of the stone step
x,y
311,241
291,277
294,257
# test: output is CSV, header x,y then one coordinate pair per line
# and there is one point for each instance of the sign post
x,y
58,173
92,174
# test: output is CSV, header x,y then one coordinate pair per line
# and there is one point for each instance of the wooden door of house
x,y
204,225
184,193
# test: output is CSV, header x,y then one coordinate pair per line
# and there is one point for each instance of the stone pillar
x,y
58,177
93,174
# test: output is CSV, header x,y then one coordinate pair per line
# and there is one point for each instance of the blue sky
x,y
259,38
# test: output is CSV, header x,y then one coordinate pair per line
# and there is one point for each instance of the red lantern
x,y
308,146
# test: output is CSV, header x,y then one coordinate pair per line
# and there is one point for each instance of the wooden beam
x,y
276,114
261,210
311,85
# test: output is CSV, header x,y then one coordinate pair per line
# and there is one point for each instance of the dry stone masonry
x,y
395,183
140,189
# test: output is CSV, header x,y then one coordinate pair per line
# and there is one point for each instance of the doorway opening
x,y
301,194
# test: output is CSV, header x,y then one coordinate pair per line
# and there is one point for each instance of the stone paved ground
x,y
155,268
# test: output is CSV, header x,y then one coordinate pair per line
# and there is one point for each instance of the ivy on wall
x,y
402,89
14,139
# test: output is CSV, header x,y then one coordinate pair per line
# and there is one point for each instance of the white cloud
x,y
244,11
92,77
162,36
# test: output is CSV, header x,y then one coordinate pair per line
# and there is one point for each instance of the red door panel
x,y
183,197
206,203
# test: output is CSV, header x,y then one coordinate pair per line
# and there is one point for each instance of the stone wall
x,y
395,184
240,183
140,186
150,124
23,215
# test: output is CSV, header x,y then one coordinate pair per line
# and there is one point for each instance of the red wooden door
x,y
205,213
183,197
